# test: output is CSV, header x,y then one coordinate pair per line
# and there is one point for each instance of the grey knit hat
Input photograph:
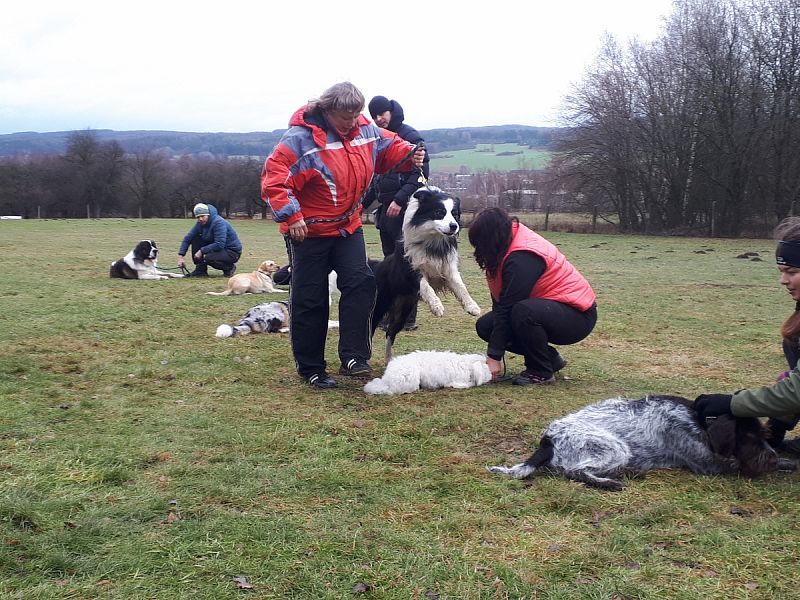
x,y
201,209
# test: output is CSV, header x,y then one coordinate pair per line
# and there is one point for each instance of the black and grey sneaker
x,y
197,273
791,446
355,368
230,272
526,378
322,381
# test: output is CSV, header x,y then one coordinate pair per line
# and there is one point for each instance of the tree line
x,y
697,131
94,179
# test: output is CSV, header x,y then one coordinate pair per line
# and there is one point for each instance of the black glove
x,y
712,405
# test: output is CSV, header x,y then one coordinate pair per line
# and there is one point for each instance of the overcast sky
x,y
242,66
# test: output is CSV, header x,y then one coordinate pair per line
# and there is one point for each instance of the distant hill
x,y
259,144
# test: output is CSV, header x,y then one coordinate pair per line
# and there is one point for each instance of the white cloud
x,y
246,66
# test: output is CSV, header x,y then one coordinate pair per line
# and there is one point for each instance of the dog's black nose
x,y
453,227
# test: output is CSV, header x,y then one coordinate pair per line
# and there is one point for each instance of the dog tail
x,y
225,293
377,386
543,457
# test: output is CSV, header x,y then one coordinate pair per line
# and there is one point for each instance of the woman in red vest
x,y
538,297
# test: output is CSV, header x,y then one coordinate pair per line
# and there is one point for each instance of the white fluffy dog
x,y
430,370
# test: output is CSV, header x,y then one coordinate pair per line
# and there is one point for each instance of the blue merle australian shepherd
x,y
600,443
424,263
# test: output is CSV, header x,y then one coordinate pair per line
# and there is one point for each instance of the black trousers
x,y
391,230
536,324
312,260
792,352
221,259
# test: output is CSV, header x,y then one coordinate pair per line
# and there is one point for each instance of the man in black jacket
x,y
394,189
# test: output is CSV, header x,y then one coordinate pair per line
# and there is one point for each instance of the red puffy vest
x,y
560,281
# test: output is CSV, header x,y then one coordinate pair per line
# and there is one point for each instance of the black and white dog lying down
x,y
140,263
425,262
604,441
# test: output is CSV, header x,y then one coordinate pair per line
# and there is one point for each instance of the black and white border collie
x,y
140,263
425,262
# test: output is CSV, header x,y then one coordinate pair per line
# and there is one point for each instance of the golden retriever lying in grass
x,y
257,282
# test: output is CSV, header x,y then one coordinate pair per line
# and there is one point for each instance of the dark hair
x,y
788,230
490,235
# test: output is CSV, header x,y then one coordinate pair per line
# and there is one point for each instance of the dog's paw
x,y
437,308
473,309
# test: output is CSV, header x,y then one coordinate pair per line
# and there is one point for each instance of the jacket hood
x,y
318,126
397,116
212,212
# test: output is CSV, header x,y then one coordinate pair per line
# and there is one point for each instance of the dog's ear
x,y
480,372
722,435
274,325
457,209
422,194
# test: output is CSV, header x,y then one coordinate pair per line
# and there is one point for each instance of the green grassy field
x,y
141,457
499,157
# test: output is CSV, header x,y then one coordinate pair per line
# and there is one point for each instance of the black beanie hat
x,y
379,105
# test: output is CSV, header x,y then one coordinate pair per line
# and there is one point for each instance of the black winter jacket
x,y
398,186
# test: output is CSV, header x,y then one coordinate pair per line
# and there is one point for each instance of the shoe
x,y
355,368
410,327
197,273
526,378
230,272
322,381
790,446
558,362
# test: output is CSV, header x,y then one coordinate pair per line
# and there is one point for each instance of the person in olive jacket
x,y
781,400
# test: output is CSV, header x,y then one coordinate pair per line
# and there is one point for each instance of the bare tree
x,y
147,179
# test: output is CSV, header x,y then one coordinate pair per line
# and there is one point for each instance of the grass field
x,y
141,457
499,157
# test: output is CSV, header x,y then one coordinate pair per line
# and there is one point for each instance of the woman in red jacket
x,y
314,182
538,297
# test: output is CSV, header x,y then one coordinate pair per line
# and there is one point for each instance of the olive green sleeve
x,y
779,401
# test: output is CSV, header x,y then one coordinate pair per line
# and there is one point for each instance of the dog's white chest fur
x,y
430,227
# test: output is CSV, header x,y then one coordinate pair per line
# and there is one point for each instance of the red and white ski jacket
x,y
315,175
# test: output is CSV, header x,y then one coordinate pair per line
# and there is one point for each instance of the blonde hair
x,y
344,97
